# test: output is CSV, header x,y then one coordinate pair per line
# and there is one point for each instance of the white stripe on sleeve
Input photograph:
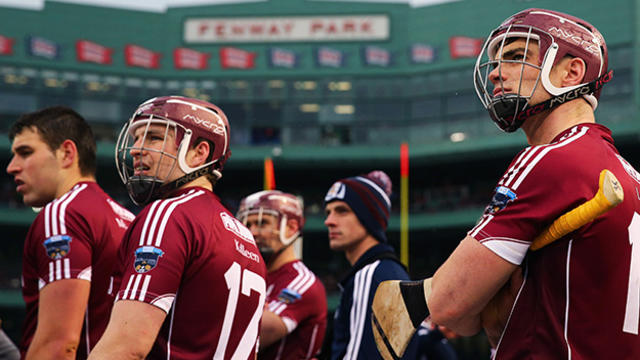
x,y
65,203
134,288
126,290
51,271
361,290
172,207
145,286
58,269
67,268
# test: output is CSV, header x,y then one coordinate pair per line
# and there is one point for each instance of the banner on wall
x,y
422,54
87,51
376,56
283,58
6,45
184,58
262,29
135,55
329,57
234,58
464,47
41,47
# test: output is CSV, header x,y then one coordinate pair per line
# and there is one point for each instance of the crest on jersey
x,y
58,246
502,196
289,296
146,258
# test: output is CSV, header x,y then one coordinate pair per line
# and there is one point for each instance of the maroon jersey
x,y
580,296
190,257
74,237
298,297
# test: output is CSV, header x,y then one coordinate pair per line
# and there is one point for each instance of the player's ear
x,y
292,227
67,154
574,70
199,154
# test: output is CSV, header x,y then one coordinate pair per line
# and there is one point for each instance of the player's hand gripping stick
x,y
610,194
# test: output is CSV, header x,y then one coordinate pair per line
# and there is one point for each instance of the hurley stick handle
x,y
609,195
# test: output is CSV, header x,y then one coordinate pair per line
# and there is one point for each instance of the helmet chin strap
x,y
143,189
186,178
530,110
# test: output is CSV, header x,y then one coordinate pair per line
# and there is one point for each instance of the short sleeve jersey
x,y
298,297
579,299
76,236
190,257
352,332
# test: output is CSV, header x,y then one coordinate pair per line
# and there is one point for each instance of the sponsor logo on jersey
x,y
289,296
246,252
235,226
146,258
58,246
501,198
629,169
336,191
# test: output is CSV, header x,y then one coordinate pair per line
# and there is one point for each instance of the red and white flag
x,y
236,58
6,45
184,58
462,46
135,55
87,51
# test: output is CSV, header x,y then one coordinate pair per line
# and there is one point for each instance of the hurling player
x,y
71,248
192,283
577,298
295,317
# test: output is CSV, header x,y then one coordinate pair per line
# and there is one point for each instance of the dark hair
x,y
55,125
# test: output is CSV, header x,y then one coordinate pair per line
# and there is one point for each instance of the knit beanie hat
x,y
368,197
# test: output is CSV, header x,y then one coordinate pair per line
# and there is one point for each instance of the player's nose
x,y
329,220
12,167
496,75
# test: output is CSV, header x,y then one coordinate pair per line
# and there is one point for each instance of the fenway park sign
x,y
286,29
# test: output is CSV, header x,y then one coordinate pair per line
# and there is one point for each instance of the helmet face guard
x,y
186,121
144,188
557,35
504,108
282,207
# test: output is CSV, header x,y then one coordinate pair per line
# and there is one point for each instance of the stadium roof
x,y
162,5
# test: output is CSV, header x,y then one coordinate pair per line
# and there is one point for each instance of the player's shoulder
x,y
298,281
570,154
315,285
296,272
191,203
84,200
89,202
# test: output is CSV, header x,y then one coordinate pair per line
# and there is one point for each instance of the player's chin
x,y
33,201
336,245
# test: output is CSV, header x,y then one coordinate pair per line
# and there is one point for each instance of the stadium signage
x,y
184,58
6,45
287,29
135,55
87,51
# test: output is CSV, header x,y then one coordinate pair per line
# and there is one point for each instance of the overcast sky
x,y
161,5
